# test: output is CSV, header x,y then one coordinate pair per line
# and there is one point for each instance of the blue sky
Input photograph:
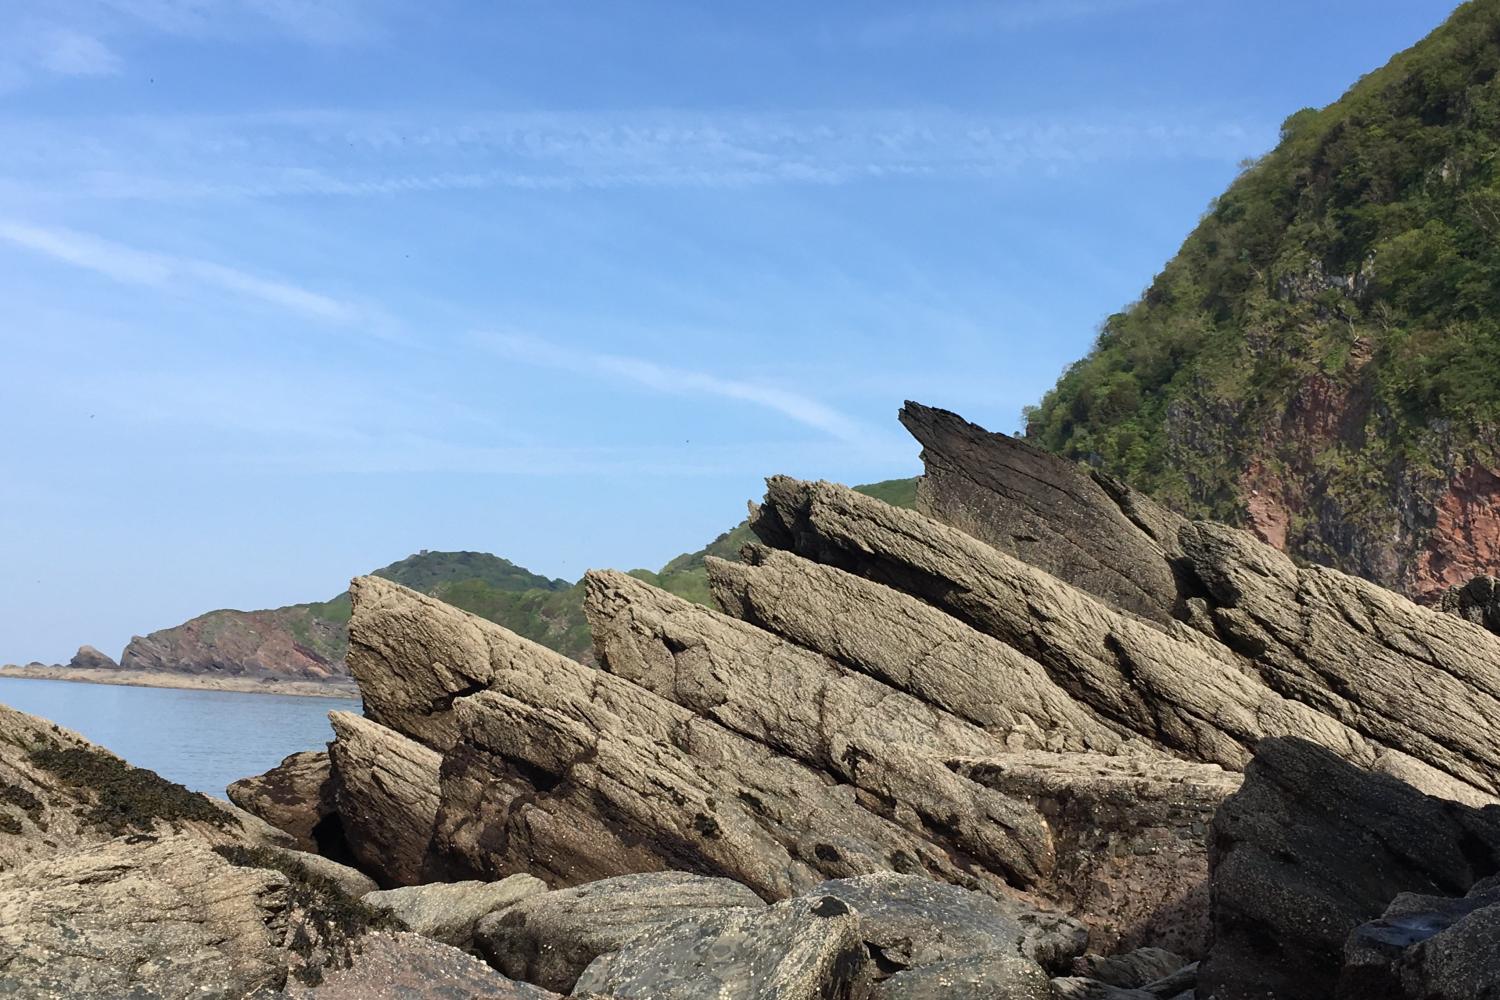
x,y
292,288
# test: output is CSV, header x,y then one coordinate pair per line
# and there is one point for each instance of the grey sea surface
x,y
202,739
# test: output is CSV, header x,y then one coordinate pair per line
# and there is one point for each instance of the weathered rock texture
x,y
448,911
947,755
1044,510
387,793
1427,948
800,949
171,917
297,796
550,939
1130,834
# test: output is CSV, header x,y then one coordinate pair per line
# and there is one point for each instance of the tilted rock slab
x,y
1309,849
387,791
861,732
411,665
574,774
910,646
1411,678
1174,693
1042,509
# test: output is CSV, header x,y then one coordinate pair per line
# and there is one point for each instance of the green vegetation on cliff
x,y
1334,320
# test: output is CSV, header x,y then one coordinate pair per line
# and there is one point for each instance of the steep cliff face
x,y
1320,363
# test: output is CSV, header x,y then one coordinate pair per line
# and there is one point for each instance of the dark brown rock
x,y
1042,509
296,796
1131,835
1312,847
1477,601
89,658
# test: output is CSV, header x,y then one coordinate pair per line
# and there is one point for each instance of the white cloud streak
x,y
139,267
940,21
670,380
349,154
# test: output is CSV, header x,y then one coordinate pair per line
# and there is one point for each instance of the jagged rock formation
x,y
889,694
905,762
1050,514
386,790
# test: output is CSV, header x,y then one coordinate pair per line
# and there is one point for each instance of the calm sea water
x,y
203,739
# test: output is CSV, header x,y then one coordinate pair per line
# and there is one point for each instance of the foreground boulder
x,y
448,911
169,917
800,949
550,939
402,966
1311,848
908,923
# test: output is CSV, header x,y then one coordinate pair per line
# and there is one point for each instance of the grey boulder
x,y
549,939
909,922
980,977
448,911
808,948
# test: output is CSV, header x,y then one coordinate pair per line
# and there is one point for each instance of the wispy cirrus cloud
x,y
354,154
319,22
32,49
133,266
668,379
51,39
938,21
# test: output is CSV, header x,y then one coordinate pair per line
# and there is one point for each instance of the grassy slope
x,y
1362,254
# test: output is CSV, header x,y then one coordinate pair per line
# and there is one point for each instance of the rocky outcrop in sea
x,y
1039,738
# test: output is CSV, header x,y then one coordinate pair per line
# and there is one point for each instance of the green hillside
x,y
1333,324
315,636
